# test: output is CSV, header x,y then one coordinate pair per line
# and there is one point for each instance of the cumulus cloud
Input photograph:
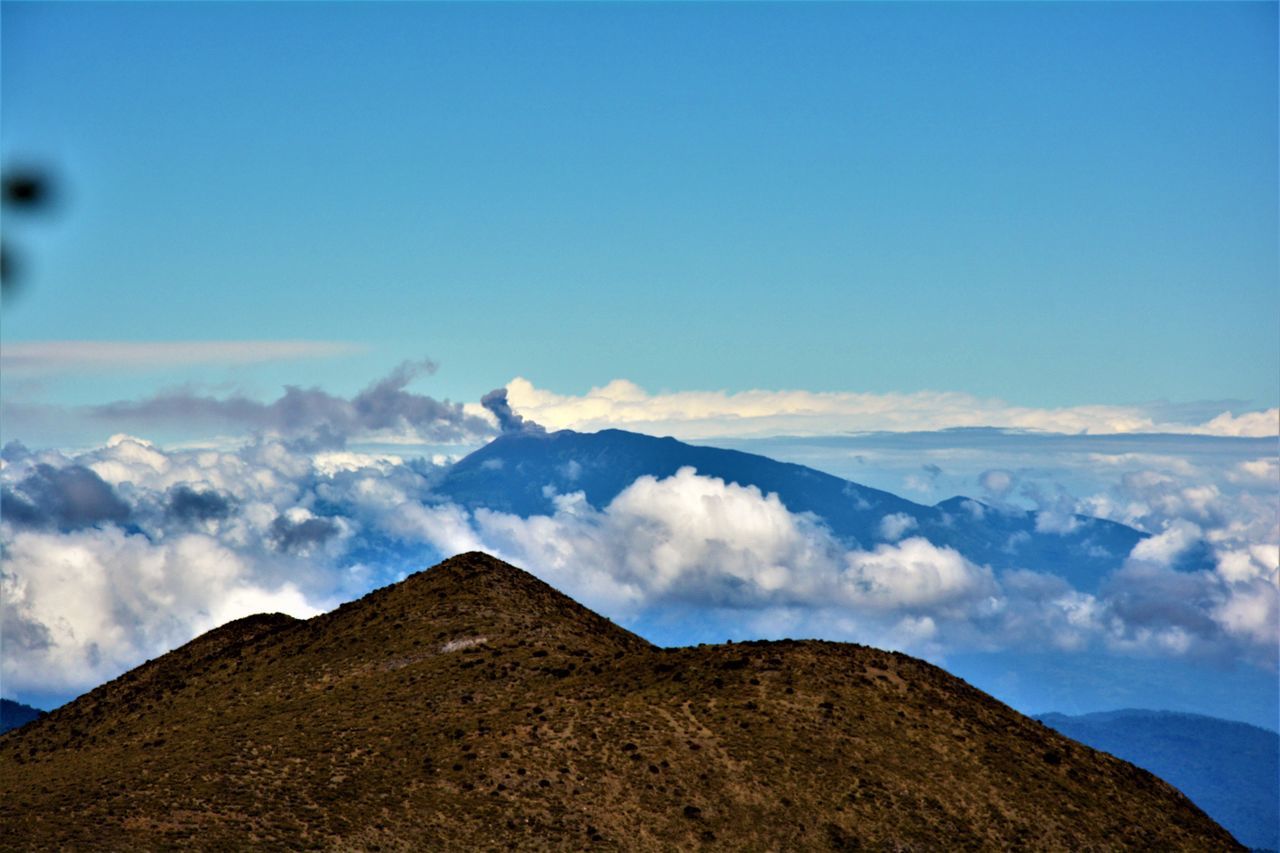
x,y
192,539
190,505
997,483
690,539
915,574
1056,509
1233,524
1165,547
1262,471
301,532
171,541
80,607
895,525
1250,423
382,410
717,414
1250,611
62,498
1169,486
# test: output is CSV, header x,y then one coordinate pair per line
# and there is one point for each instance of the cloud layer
x,y
116,554
44,357
716,414
385,410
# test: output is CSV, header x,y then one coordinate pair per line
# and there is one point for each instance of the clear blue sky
x,y
1051,203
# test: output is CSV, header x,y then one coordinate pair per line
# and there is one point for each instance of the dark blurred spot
x,y
8,270
27,188
22,190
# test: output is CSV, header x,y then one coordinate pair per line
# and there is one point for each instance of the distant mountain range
x,y
1231,770
471,706
14,714
520,472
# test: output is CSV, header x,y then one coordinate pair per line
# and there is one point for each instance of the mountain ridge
x,y
1230,769
474,706
15,714
521,472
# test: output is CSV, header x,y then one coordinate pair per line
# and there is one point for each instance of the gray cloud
x,y
67,498
301,535
188,505
508,420
1155,603
14,451
318,416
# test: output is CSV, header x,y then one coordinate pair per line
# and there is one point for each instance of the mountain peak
x,y
473,706
471,596
521,473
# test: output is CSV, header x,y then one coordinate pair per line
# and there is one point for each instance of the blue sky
x,y
1054,204
990,249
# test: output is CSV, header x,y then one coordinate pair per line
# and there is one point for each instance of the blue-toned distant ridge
x,y
521,472
15,714
1229,769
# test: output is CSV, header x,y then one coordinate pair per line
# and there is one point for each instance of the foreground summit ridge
x,y
474,706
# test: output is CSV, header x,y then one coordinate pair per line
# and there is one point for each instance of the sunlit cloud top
x,y
715,414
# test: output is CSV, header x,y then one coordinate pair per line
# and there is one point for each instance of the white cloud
x,y
1261,471
81,607
1250,612
895,525
304,529
1249,563
1250,423
101,356
329,463
714,414
1051,521
1042,607
996,482
913,575
684,538
1165,547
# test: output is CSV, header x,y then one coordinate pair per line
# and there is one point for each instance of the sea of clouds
x,y
118,553
114,553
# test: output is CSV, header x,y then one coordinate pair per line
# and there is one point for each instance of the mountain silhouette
x,y
472,706
520,472
14,714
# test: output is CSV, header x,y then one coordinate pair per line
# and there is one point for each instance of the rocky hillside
x,y
471,706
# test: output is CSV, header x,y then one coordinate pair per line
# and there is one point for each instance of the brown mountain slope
x,y
474,707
